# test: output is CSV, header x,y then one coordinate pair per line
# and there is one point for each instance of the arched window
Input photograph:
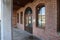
x,y
17,17
40,16
21,17
28,10
28,17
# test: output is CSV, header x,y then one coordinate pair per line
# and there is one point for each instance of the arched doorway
x,y
28,20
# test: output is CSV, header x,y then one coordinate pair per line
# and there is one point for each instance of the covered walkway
x,y
47,32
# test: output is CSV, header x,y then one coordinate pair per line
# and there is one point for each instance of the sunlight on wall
x,y
0,9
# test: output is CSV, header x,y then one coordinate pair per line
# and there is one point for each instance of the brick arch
x,y
40,5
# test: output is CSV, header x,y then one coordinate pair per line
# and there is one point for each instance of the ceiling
x,y
20,3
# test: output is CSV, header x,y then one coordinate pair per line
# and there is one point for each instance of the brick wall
x,y
14,19
50,30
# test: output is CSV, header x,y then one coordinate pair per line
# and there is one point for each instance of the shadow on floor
x,y
32,38
23,35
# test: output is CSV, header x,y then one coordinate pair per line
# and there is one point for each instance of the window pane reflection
x,y
41,17
28,20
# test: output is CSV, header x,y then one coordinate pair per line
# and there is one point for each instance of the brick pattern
x,y
50,31
14,18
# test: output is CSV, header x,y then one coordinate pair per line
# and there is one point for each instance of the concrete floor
x,y
23,35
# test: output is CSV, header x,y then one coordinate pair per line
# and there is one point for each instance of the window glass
x,y
41,16
28,17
